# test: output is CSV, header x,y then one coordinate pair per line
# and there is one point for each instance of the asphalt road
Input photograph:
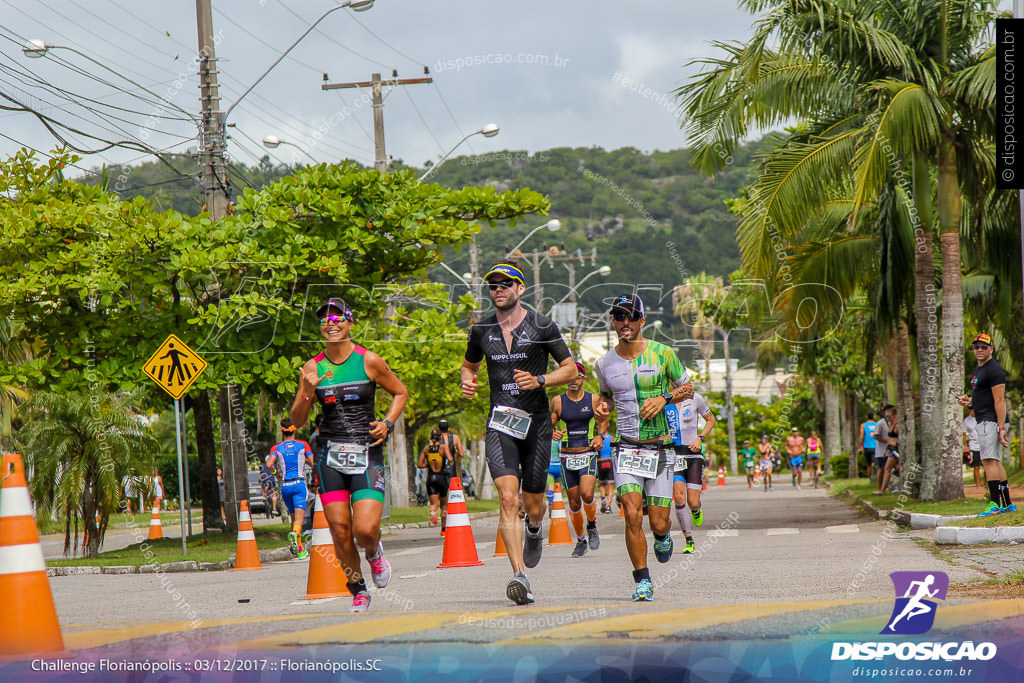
x,y
768,565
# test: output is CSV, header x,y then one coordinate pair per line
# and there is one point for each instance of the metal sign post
x,y
181,481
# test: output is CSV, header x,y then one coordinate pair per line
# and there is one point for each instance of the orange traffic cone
x,y
499,547
28,619
155,530
247,554
326,578
560,533
459,547
721,475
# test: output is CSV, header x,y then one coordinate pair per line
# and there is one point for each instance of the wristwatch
x,y
540,380
389,423
667,396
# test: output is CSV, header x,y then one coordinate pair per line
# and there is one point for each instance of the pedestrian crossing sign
x,y
174,366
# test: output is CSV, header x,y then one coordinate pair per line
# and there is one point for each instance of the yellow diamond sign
x,y
174,366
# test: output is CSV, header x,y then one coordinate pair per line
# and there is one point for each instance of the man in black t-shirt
x,y
516,343
988,398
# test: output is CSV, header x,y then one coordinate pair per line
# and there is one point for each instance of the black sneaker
x,y
518,589
593,538
533,544
581,548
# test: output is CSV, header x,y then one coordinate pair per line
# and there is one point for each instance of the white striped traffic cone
x,y
155,530
28,619
560,533
326,578
247,554
459,548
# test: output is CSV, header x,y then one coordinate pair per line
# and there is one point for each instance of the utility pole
x,y
215,186
380,161
396,443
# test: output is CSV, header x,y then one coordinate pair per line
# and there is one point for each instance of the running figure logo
x,y
174,366
913,612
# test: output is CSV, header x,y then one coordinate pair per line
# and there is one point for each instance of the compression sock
x,y
640,574
993,491
685,521
591,510
577,522
1004,489
356,587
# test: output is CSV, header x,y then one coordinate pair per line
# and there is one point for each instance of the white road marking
x,y
317,601
781,532
843,529
412,551
723,532
420,575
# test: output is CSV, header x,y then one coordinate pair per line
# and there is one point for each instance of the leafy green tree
x,y
79,448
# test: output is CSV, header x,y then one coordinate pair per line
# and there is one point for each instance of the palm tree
x,y
686,300
81,446
12,353
878,85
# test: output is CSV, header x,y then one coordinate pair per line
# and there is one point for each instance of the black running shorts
x,y
527,459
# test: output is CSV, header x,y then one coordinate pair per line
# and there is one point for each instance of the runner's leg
x,y
509,526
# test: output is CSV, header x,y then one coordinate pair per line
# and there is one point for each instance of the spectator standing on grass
x,y
157,487
988,398
881,436
868,443
972,449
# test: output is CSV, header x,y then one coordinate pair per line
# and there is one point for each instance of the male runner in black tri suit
x,y
516,343
577,409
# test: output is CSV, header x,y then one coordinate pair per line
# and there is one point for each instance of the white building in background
x,y
746,381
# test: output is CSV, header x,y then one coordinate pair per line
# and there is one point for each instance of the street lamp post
x,y
272,142
488,131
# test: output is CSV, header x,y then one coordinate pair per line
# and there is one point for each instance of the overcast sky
x,y
566,84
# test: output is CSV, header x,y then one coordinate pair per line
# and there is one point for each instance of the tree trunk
x,y
730,413
908,421
853,436
949,484
232,438
398,463
485,484
209,490
926,314
832,437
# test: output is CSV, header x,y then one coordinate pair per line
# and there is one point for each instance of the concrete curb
x,y
920,520
960,535
864,505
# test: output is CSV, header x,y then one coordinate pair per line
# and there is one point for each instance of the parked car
x,y
257,503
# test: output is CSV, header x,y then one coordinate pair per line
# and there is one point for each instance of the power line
x,y
424,121
329,38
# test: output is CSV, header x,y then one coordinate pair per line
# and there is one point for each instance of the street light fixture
x,y
603,271
272,142
488,131
553,225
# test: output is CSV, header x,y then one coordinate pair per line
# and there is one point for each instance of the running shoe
x,y
581,548
293,542
877,493
690,545
1009,508
663,549
533,544
518,589
303,554
644,591
380,568
593,538
991,511
698,516
433,515
360,602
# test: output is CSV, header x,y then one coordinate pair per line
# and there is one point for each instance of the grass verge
x,y
865,489
422,514
1006,519
207,547
117,520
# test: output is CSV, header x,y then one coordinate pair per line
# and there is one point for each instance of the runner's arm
x,y
469,378
556,415
999,398
378,371
304,396
422,462
601,419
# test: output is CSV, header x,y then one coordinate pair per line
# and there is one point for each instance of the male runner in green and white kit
x,y
749,454
639,377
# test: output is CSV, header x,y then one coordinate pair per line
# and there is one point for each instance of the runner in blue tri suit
x,y
295,455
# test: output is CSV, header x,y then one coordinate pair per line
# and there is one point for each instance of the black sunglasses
x,y
501,284
981,346
619,316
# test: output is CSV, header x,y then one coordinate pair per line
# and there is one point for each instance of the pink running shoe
x,y
360,602
380,568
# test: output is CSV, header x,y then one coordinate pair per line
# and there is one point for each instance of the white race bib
x,y
511,421
637,460
347,458
577,461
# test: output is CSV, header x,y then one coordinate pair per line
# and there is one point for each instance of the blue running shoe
x,y
644,591
1009,508
663,549
991,511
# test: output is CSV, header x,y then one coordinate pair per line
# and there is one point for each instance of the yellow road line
x,y
947,616
358,630
81,640
658,625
